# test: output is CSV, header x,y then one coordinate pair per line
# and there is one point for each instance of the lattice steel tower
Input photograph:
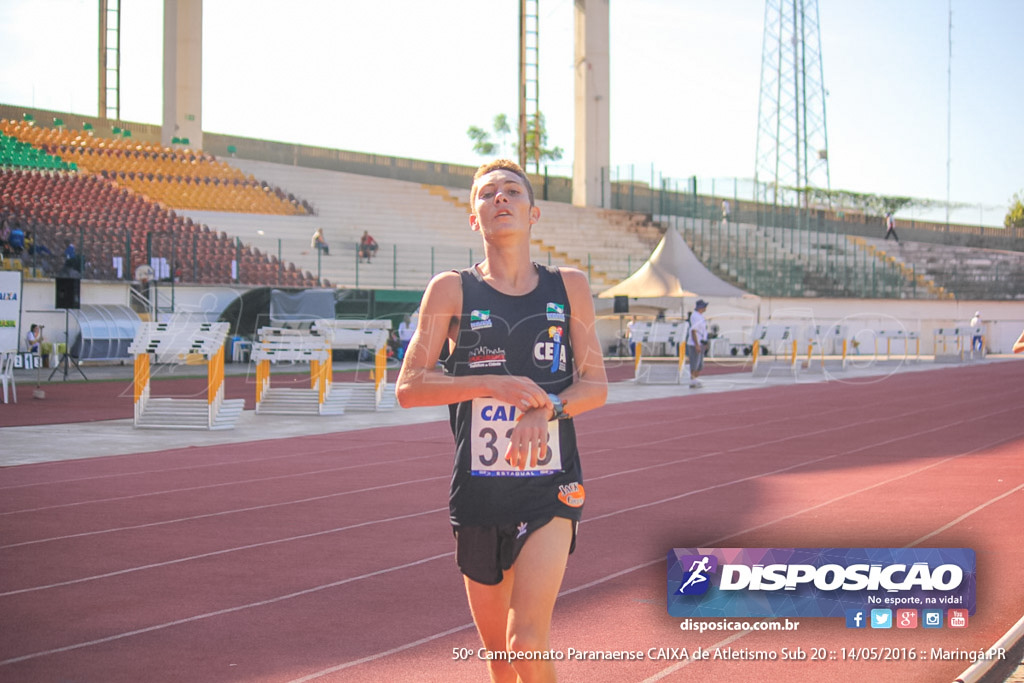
x,y
529,76
792,143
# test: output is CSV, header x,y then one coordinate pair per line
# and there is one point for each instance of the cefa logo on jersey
x,y
551,352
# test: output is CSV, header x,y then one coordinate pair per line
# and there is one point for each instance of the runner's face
x,y
502,202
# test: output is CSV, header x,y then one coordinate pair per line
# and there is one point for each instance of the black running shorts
x,y
484,553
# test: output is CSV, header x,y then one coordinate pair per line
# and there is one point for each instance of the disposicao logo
x,y
818,582
697,579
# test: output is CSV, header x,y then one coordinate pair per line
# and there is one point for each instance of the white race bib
x,y
491,427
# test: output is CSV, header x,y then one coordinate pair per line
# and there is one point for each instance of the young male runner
x,y
524,359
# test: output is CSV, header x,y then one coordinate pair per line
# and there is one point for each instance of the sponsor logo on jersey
x,y
486,357
479,320
572,494
556,311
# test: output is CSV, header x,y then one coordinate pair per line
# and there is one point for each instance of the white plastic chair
x,y
7,375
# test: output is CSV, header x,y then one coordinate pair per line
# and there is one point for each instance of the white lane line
x,y
221,612
224,551
709,544
227,512
188,489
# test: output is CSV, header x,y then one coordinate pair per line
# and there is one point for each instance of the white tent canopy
x,y
673,270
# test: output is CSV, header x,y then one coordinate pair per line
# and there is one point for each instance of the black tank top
x,y
524,335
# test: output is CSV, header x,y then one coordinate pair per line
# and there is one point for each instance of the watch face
x,y
557,404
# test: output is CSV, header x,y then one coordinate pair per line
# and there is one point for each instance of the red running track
x,y
329,557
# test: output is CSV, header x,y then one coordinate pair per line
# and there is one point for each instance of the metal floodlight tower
x,y
792,143
529,76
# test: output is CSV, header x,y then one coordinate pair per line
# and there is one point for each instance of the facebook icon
x,y
856,618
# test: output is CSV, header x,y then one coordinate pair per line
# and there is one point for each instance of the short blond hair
x,y
501,165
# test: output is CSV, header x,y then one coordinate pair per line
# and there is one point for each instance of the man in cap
x,y
976,331
696,341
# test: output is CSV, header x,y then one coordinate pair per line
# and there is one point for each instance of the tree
x,y
873,204
536,143
536,140
1015,215
482,144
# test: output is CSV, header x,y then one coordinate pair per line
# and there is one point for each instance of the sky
x,y
407,78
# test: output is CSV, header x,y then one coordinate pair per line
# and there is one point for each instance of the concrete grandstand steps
x,y
423,229
186,413
785,262
962,272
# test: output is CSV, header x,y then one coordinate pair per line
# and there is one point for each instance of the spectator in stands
x,y
5,235
890,227
696,342
16,240
319,242
70,257
725,210
34,338
367,246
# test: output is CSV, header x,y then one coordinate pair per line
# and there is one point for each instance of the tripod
x,y
66,360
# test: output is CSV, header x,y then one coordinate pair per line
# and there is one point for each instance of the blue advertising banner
x,y
818,582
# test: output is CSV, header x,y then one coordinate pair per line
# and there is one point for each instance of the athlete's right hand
x,y
522,392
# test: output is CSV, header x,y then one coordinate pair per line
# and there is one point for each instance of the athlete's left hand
x,y
529,439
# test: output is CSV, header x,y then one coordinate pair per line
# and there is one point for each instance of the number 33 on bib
x,y
493,422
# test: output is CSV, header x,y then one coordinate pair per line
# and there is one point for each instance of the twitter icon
x,y
881,618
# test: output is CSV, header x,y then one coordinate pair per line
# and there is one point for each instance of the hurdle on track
x,y
283,345
659,369
955,344
826,347
361,335
908,342
778,341
182,342
793,348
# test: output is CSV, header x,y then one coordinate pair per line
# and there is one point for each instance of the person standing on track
x,y
524,360
696,342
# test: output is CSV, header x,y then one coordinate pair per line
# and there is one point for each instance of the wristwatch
x,y
559,408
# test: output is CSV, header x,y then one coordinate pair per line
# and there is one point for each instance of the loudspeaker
x,y
621,304
68,293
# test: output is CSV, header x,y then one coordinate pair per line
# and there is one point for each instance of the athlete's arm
x,y
589,389
421,382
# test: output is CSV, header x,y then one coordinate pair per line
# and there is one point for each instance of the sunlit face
x,y
500,199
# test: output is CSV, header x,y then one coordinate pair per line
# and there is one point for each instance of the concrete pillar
x,y
183,72
592,145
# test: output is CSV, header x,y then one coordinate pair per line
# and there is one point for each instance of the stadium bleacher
x,y
112,225
210,221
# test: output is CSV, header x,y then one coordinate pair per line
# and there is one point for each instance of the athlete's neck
x,y
508,276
